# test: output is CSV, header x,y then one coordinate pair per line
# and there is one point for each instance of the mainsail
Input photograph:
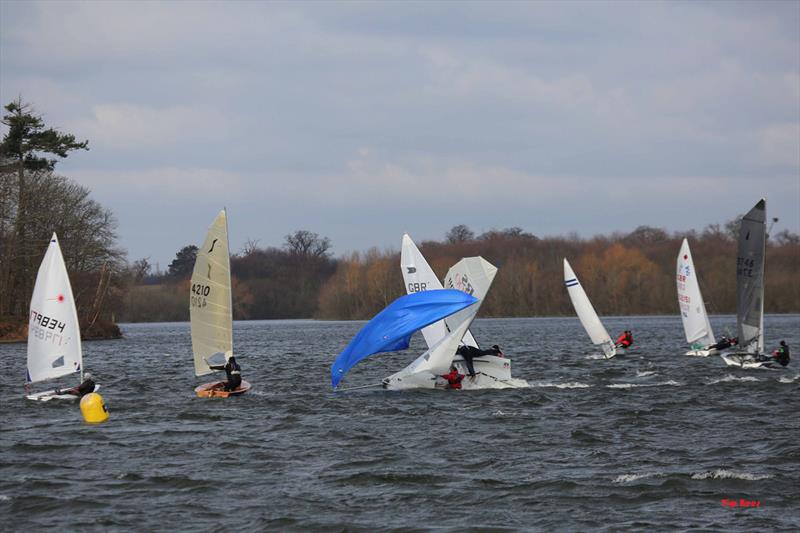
x,y
419,276
210,308
750,279
474,276
693,309
54,337
586,313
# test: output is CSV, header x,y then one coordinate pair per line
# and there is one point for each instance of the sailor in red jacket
x,y
625,339
453,378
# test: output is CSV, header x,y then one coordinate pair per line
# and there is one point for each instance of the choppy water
x,y
653,441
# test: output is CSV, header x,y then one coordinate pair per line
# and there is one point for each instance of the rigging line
x,y
360,387
500,380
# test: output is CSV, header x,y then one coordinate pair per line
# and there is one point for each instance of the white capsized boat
x,y
693,310
211,308
750,292
586,313
473,276
54,336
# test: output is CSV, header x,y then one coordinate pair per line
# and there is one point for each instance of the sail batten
x,y
210,307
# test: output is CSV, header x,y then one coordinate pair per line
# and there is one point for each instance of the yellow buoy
x,y
93,409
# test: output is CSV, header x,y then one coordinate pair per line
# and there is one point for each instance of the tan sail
x,y
210,308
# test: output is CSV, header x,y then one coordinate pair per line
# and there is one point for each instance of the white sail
x,y
437,360
210,308
693,309
586,313
54,337
419,276
474,276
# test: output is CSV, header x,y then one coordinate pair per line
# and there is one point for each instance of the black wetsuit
x,y
471,352
81,390
721,345
782,355
233,372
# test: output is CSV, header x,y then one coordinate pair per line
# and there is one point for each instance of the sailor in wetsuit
x,y
453,378
471,352
781,355
723,343
625,339
81,390
233,371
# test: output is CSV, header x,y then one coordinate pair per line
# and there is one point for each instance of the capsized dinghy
x,y
54,336
750,292
473,275
693,310
391,330
211,309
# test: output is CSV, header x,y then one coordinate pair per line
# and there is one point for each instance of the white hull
x,y
48,395
746,361
491,372
702,353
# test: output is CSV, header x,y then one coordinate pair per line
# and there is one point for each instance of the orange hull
x,y
214,389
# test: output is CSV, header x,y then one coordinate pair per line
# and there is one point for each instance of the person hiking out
x,y
233,372
471,352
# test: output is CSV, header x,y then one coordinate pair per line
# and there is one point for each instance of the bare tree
x,y
307,244
459,233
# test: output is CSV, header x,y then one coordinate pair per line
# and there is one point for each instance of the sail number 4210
x,y
199,294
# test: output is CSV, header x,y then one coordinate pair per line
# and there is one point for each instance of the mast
x,y
230,285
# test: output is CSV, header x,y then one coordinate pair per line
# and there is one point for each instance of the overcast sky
x,y
363,120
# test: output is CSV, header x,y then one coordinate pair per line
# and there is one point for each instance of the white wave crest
x,y
786,379
731,377
643,373
627,478
671,383
4,498
595,356
568,385
730,474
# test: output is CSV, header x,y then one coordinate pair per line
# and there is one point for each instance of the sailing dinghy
x,y
750,292
54,336
586,313
391,331
211,309
473,275
693,310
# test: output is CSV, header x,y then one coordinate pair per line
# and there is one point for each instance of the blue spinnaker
x,y
391,329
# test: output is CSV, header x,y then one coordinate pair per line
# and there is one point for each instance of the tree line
x,y
631,273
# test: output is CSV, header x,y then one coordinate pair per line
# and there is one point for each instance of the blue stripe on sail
x,y
571,282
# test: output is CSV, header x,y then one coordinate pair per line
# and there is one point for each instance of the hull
x,y
48,395
491,372
214,389
746,361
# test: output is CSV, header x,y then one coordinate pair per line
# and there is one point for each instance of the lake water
x,y
652,441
